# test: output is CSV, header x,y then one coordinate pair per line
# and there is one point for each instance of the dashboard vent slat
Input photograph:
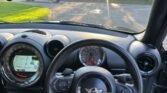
x,y
147,63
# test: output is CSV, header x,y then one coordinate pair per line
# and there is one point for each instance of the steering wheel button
x,y
67,72
61,83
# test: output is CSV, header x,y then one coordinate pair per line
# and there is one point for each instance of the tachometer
x,y
91,55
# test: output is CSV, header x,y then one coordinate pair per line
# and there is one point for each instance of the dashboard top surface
x,y
48,39
73,32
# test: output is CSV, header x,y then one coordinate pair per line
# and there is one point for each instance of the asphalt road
x,y
131,16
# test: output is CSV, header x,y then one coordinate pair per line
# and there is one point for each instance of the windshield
x,y
128,14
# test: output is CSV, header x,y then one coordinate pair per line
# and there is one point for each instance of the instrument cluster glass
x,y
24,64
91,56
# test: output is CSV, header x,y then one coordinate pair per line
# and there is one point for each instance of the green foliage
x,y
18,12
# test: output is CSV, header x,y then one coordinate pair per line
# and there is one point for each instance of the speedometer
x,y
91,56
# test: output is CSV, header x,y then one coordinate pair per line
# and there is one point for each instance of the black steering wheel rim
x,y
58,61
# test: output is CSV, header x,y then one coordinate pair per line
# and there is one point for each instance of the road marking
x,y
114,5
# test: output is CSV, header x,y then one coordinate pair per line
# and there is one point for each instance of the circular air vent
x,y
53,47
147,63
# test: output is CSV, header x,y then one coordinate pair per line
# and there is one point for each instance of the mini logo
x,y
94,90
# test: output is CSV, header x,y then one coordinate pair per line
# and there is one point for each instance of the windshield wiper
x,y
114,28
76,24
80,24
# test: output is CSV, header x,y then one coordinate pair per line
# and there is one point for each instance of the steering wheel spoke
x,y
122,88
61,83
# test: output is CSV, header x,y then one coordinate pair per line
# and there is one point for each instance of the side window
x,y
165,43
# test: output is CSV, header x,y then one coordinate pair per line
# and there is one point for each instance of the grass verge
x,y
18,12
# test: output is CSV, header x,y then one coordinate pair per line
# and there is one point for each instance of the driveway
x,y
130,16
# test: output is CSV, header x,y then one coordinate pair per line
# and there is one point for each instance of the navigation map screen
x,y
26,63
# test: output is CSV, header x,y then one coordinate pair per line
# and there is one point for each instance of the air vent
x,y
147,63
53,47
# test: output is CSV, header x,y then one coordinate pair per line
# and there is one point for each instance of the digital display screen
x,y
26,63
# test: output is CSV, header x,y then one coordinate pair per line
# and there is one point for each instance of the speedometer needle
x,y
90,61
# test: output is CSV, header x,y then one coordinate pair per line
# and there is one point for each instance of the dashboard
x,y
28,49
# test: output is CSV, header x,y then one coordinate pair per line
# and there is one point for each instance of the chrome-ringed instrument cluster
x,y
22,65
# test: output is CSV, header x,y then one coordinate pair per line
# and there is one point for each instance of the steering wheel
x,y
91,79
